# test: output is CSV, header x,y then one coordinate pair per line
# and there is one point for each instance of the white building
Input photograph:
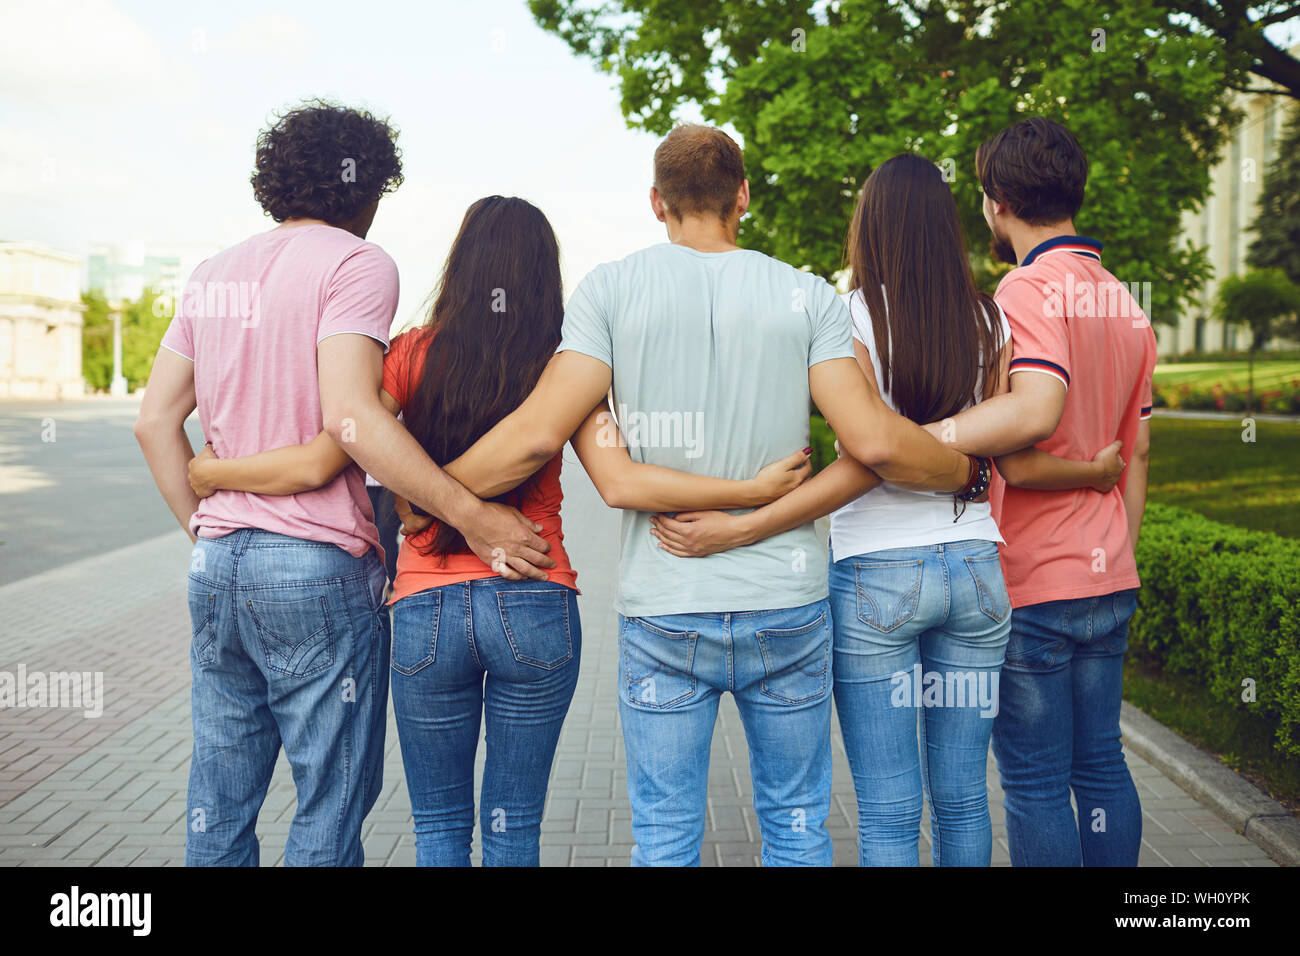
x,y
40,322
1223,223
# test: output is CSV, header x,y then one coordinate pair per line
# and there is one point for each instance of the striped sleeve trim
x,y
1041,365
1145,413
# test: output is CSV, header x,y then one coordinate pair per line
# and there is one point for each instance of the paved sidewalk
x,y
110,791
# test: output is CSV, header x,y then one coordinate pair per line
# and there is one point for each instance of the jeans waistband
x,y
969,544
249,539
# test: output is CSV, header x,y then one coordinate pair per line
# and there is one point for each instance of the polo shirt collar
x,y
1079,245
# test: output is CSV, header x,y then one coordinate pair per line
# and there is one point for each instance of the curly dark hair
x,y
323,161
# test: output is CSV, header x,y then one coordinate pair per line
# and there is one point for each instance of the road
x,y
73,483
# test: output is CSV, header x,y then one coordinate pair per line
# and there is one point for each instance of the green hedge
x,y
1218,605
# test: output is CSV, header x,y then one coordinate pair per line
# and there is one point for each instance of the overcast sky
x,y
136,121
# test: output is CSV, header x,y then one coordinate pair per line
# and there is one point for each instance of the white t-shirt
x,y
889,517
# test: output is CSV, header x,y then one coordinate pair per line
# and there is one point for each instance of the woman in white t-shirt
x,y
921,613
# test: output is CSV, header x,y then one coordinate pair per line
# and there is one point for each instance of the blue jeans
x,y
920,632
507,649
289,643
1058,732
673,670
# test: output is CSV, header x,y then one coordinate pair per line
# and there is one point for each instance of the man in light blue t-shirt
x,y
713,351
715,354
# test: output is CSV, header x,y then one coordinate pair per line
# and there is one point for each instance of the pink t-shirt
x,y
1071,319
250,319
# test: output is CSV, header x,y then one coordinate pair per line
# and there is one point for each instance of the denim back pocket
x,y
536,623
415,631
986,572
296,634
1121,605
1124,605
796,661
888,592
203,643
658,664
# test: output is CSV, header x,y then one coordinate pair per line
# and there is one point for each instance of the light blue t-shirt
x,y
710,353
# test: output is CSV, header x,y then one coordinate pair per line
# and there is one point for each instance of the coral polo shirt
x,y
1071,319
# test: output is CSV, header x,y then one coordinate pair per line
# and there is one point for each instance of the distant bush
x,y
1283,400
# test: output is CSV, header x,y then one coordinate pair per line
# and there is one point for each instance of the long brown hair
x,y
933,327
497,317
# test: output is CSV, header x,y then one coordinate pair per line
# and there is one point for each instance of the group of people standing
x,y
981,572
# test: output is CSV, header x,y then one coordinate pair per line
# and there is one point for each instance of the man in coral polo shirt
x,y
1082,357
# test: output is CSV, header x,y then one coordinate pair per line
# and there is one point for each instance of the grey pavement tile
x,y
1176,856
1223,854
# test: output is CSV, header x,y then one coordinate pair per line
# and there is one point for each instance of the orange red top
x,y
403,367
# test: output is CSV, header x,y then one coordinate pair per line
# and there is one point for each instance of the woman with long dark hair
x,y
920,609
468,644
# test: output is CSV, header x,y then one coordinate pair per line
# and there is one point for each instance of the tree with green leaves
x,y
144,322
1263,301
822,92
1259,63
1277,225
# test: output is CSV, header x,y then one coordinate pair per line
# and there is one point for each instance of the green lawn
x,y
1203,465
1268,374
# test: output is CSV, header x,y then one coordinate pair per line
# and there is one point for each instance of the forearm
x,y
915,459
840,482
502,459
642,487
168,453
281,471
1031,468
1135,496
381,445
530,436
994,427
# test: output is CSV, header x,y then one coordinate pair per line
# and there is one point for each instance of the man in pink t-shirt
x,y
1082,358
278,341
289,638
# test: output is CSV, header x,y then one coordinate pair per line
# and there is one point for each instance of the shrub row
x,y
1218,605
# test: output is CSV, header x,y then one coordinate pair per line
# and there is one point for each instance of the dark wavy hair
x,y
1037,168
324,161
494,325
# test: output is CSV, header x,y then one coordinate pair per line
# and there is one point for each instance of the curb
x,y
1250,811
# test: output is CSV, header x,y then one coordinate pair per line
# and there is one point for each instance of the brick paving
x,y
110,791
